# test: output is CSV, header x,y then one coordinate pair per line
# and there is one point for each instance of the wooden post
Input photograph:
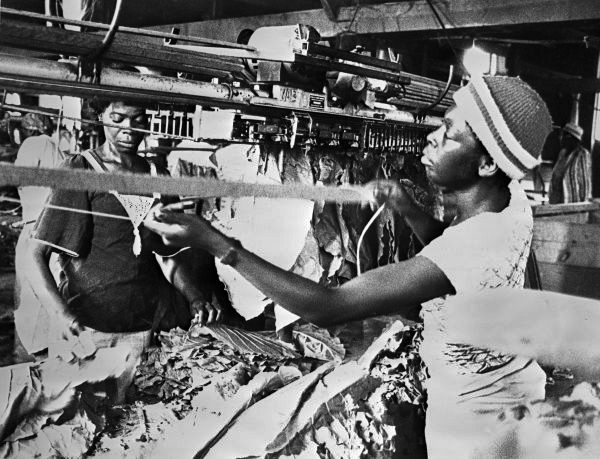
x,y
595,140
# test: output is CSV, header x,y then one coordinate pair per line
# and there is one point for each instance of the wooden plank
x,y
567,243
547,210
573,280
567,85
76,179
123,49
413,16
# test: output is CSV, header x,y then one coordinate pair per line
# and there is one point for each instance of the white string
x,y
362,235
71,209
89,212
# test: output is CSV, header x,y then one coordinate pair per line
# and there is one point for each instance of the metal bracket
x,y
84,67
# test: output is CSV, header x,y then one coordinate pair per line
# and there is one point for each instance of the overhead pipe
x,y
63,72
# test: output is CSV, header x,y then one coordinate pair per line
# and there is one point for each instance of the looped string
x,y
362,235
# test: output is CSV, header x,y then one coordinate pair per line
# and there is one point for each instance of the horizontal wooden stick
x,y
76,179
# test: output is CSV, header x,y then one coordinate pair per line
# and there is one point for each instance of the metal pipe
x,y
130,30
196,91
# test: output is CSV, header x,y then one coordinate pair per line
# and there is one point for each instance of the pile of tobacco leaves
x,y
184,364
379,414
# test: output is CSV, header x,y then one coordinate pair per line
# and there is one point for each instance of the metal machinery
x,y
283,86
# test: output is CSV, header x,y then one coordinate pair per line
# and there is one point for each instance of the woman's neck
x,y
114,159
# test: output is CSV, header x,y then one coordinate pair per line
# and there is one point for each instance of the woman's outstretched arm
x,y
553,328
388,289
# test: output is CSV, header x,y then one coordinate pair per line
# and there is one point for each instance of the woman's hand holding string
x,y
185,230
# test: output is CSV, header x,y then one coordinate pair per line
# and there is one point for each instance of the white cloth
x,y
469,387
37,151
31,320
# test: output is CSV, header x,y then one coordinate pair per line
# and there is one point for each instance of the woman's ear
x,y
487,166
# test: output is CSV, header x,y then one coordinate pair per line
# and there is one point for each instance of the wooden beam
x,y
567,85
413,16
266,4
125,49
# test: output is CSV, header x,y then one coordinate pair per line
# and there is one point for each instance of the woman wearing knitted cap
x,y
487,141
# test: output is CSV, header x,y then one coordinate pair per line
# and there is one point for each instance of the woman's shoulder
x,y
75,161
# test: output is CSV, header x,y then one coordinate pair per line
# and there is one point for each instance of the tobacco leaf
x,y
248,342
38,436
317,343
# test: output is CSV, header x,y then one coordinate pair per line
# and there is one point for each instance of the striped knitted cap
x,y
509,117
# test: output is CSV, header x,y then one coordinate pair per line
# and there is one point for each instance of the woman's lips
x,y
126,143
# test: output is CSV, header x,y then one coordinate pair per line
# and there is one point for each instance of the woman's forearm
x,y
180,273
392,288
553,328
37,274
389,289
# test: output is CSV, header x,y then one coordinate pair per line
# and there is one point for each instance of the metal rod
x,y
354,57
353,69
130,30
